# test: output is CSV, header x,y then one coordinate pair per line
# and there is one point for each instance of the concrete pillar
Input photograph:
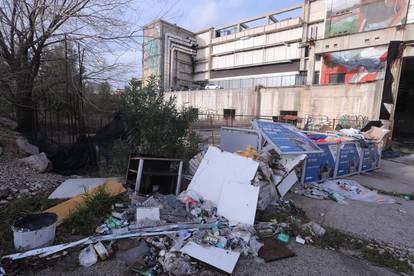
x,y
311,65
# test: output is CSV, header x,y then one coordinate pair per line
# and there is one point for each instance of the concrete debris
x,y
25,147
38,162
20,180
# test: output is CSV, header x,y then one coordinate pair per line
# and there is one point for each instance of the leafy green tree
x,y
156,125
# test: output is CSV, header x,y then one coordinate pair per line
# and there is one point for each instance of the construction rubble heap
x,y
222,215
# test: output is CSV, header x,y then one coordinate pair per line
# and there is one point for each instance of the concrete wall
x,y
333,101
214,101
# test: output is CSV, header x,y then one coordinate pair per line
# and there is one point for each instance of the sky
x,y
193,15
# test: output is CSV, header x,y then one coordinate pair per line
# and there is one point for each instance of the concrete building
x,y
330,58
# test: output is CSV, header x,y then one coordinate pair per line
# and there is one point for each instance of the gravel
x,y
18,180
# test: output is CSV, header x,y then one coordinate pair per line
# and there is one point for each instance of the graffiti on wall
x,y
354,66
353,16
151,51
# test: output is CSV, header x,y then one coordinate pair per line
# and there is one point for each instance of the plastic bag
x,y
88,257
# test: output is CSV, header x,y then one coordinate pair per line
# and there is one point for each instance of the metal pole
x,y
139,175
180,172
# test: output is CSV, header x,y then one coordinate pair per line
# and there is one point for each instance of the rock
x,y
4,192
38,162
3,202
24,146
24,192
9,123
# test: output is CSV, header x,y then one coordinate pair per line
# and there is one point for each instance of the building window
x,y
306,51
316,77
288,112
229,113
337,78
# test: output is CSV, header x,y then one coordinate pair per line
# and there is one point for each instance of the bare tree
x,y
29,27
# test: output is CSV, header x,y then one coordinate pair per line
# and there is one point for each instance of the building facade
x,y
324,57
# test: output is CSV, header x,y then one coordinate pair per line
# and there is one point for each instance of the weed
x,y
409,196
89,215
369,250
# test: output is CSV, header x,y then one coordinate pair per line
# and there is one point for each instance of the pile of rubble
x,y
229,210
212,222
19,180
23,170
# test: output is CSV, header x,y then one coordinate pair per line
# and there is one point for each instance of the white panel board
x,y
220,258
238,202
218,168
287,183
151,213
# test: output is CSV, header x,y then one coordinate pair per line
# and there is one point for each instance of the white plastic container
x,y
34,231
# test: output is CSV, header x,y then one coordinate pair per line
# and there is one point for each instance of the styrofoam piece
x,y
151,213
287,183
219,167
73,187
238,202
220,258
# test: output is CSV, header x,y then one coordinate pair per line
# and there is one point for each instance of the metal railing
x,y
309,122
275,81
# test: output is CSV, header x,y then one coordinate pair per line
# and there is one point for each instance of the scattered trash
x,y
282,237
341,189
178,264
88,257
300,240
315,228
214,221
273,250
33,231
130,256
101,251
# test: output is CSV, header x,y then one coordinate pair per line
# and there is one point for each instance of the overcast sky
x,y
194,15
